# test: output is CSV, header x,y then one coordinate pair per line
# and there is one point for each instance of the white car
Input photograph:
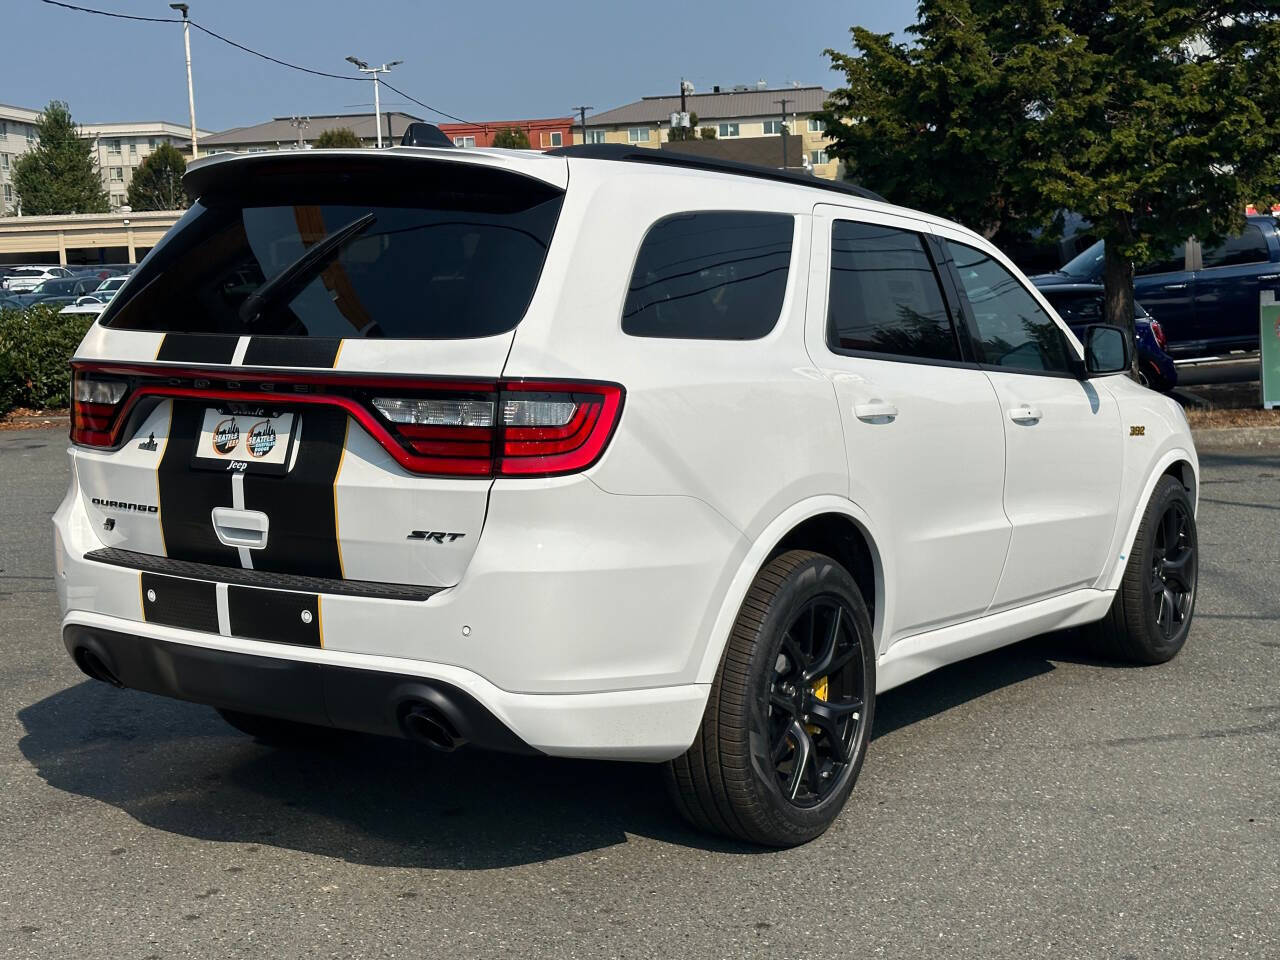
x,y
108,288
26,279
603,454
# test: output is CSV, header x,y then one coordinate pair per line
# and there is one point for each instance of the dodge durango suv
x,y
597,453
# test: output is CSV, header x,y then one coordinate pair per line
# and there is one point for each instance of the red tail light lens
x,y
1157,331
514,428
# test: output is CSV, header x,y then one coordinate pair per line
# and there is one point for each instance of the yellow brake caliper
x,y
819,691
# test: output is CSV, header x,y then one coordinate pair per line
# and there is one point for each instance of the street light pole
x,y
191,94
377,103
784,101
582,113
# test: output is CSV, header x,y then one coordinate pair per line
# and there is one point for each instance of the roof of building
x,y
453,129
141,128
762,151
282,130
727,104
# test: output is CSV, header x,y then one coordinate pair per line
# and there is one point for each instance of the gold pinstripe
x,y
320,618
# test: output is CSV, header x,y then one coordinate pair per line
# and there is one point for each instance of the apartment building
x,y
734,113
292,133
17,136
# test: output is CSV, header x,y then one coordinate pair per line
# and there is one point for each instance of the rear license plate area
x,y
246,440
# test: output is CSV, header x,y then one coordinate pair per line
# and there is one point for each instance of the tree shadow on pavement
x,y
178,767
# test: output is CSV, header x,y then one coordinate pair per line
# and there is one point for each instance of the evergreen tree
x,y
59,174
157,183
338,137
511,138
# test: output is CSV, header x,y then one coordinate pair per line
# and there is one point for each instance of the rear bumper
x,y
369,694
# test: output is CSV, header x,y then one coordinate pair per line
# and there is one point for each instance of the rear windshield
x,y
452,251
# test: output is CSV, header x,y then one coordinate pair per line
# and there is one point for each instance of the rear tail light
x,y
510,428
1157,331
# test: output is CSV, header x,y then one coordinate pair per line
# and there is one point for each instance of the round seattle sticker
x,y
261,439
226,436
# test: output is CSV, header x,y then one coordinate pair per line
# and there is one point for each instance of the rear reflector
x,y
431,427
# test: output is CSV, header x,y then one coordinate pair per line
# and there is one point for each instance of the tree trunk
x,y
1117,296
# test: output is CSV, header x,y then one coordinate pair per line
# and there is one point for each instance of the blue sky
x,y
481,59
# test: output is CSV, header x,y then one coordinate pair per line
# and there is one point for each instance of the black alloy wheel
x,y
1173,570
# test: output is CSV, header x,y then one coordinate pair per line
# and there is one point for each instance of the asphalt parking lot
x,y
1030,803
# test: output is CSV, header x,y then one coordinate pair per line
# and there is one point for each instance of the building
x,y
740,112
81,238
118,148
761,151
290,133
543,134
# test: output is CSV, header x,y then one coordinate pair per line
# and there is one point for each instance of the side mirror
x,y
1107,350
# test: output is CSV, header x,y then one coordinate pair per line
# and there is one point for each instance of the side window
x,y
1012,330
710,276
1078,310
884,295
1171,262
1248,247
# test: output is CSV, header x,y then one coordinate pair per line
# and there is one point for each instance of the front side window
x,y
1169,262
1248,247
884,295
728,129
638,135
1012,330
710,276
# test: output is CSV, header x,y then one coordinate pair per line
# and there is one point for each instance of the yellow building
x,y
738,113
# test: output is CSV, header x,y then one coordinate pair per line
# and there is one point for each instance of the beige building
x,y
738,113
118,148
84,237
292,133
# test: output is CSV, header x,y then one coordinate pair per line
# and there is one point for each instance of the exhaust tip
x,y
428,724
92,666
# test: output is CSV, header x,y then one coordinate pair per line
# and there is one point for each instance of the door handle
x,y
1269,276
1025,413
240,528
1175,286
875,410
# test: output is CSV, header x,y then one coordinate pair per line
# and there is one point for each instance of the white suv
x,y
599,453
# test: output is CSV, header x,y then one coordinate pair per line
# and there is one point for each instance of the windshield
x,y
454,252
1086,265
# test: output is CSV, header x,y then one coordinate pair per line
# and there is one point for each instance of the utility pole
x,y
300,124
784,101
582,115
191,94
377,104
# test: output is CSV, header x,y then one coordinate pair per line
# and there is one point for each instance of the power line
x,y
249,50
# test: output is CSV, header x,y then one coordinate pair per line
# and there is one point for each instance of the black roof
x,y
623,153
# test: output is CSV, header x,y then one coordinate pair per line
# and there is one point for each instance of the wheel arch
x,y
1178,463
826,524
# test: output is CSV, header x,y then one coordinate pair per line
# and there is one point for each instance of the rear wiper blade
x,y
298,274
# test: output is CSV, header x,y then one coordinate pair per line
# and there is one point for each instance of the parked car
x,y
67,288
26,279
108,287
686,461
84,306
1081,304
98,271
9,303
1206,299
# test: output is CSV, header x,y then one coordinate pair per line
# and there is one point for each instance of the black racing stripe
x,y
174,602
197,348
274,615
292,351
187,496
303,537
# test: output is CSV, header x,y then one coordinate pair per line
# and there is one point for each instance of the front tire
x,y
789,715
1151,615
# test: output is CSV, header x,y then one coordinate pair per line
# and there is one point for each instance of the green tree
x,y
511,138
707,133
1155,119
157,183
338,137
59,174
685,133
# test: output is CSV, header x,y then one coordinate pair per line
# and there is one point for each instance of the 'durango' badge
x,y
261,439
226,436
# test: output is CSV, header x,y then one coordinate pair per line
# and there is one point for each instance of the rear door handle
x,y
1175,286
877,409
1269,276
241,528
1025,413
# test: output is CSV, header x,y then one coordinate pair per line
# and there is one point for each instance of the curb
x,y
1237,437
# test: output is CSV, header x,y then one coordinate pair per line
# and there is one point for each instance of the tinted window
x,y
710,276
1012,329
884,294
1171,262
452,252
1078,309
1248,247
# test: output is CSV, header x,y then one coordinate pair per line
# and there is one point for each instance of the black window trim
x,y
937,256
971,324
787,291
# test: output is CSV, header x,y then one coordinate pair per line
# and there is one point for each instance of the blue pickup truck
x,y
1206,299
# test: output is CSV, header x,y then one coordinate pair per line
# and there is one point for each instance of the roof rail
x,y
671,158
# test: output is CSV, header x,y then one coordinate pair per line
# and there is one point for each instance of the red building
x,y
542,134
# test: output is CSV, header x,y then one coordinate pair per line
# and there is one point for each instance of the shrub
x,y
36,346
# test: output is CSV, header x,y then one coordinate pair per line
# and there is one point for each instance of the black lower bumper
x,y
342,697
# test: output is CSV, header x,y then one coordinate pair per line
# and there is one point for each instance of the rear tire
x,y
271,730
1150,616
789,715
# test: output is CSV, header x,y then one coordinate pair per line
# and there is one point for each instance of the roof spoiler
x,y
424,135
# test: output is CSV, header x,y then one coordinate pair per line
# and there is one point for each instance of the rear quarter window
x,y
710,276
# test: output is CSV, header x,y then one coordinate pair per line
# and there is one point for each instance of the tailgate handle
x,y
240,528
